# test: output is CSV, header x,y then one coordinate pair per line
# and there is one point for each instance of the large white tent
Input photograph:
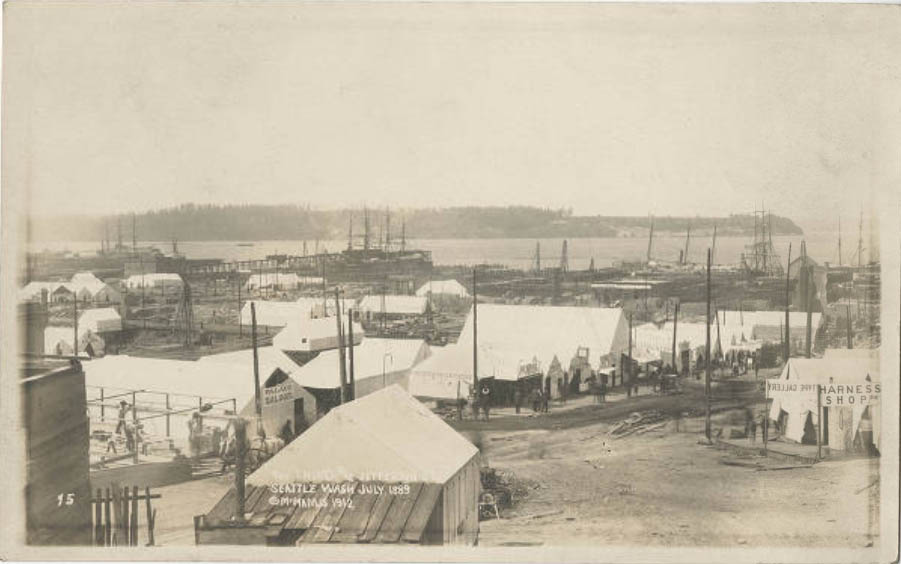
x,y
378,363
311,335
795,393
443,288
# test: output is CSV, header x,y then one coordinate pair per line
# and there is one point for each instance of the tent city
x,y
518,277
373,395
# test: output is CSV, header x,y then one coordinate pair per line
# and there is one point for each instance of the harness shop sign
x,y
277,394
850,394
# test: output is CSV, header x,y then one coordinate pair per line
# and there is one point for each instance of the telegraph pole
x,y
240,325
707,355
342,367
350,352
75,318
475,332
675,324
258,403
629,383
788,304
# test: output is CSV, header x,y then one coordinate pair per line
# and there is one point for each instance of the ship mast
x,y
687,240
365,229
651,239
840,240
350,232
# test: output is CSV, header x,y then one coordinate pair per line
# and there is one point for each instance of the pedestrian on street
x,y
123,411
485,400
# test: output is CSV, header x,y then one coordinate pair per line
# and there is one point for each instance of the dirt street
x,y
663,488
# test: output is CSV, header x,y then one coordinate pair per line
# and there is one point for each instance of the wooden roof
x,y
382,517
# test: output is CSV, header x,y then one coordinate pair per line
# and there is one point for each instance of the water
x,y
516,253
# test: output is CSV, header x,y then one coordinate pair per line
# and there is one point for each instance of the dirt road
x,y
663,488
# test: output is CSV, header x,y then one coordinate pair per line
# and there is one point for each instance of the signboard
x,y
277,394
832,394
844,395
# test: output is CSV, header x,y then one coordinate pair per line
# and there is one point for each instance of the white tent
x,y
166,280
377,363
388,436
100,320
31,292
311,335
443,288
313,306
274,281
795,390
543,332
447,373
58,341
394,305
273,313
768,326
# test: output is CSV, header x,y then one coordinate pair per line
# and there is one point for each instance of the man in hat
x,y
123,411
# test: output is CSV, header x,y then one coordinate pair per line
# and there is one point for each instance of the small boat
x,y
245,244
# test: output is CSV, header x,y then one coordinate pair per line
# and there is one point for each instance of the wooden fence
x,y
116,513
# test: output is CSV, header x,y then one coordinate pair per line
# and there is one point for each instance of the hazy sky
x,y
612,109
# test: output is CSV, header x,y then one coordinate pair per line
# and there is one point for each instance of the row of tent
x,y
86,287
94,327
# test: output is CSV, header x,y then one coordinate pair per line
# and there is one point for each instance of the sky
x,y
605,109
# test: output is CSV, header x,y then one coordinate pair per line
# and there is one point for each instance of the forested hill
x,y
248,223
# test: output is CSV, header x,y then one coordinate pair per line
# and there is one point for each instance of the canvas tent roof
x,y
443,287
300,335
100,319
543,332
820,371
273,313
797,319
387,435
369,356
439,374
400,305
269,359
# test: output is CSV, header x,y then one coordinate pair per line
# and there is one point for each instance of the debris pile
x,y
504,488
638,423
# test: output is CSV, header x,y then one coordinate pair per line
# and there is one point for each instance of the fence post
x,y
98,519
149,517
167,415
134,516
108,518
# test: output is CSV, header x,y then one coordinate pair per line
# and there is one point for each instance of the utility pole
x,y
687,241
342,367
258,402
840,240
350,233
134,234
651,239
809,305
475,332
788,345
75,319
240,325
713,251
240,446
675,324
350,352
629,364
707,356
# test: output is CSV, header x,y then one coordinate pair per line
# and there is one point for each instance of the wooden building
x,y
381,469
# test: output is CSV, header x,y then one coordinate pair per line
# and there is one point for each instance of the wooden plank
x,y
419,516
397,516
117,516
124,536
376,516
134,516
224,508
303,517
353,522
327,521
258,494
108,518
314,527
149,517
98,520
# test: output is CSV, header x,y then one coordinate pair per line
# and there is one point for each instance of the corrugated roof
x,y
387,435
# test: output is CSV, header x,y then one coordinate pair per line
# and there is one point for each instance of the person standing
x,y
517,397
287,433
485,400
123,411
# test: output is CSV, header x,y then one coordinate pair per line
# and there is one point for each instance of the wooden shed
x,y
381,469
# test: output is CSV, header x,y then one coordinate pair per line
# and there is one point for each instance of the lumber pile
x,y
638,423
